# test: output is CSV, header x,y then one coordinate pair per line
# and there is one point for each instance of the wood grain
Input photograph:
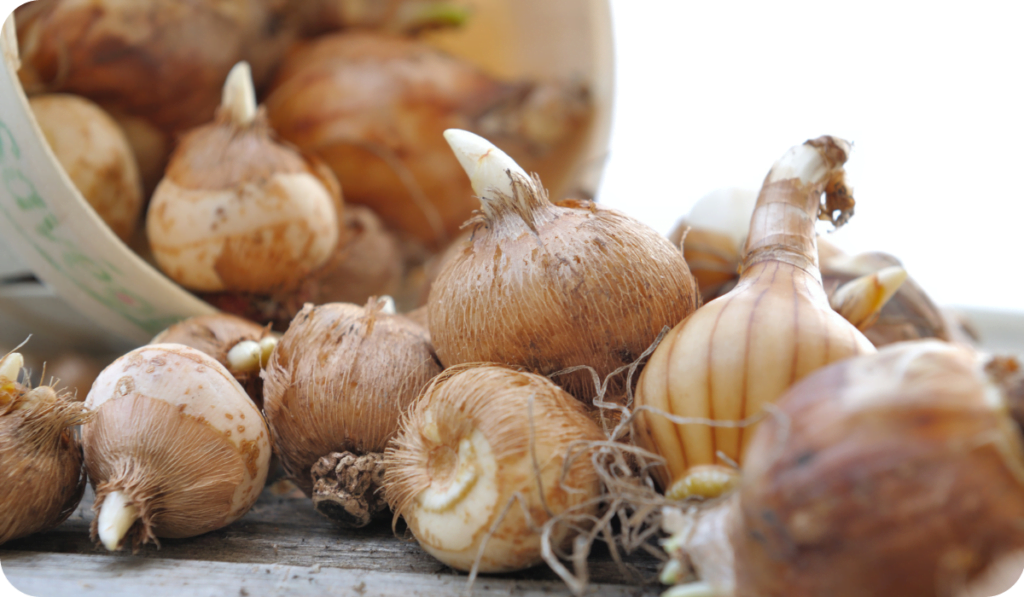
x,y
280,538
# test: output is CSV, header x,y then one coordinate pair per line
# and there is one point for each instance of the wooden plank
x,y
281,530
58,575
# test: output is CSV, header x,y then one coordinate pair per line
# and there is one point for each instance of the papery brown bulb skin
x,y
216,335
163,60
582,285
468,446
176,434
276,310
374,107
238,211
338,381
368,264
41,474
95,154
744,349
892,474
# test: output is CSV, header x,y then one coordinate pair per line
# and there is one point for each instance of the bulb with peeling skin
x,y
176,448
238,211
745,348
476,439
374,107
892,474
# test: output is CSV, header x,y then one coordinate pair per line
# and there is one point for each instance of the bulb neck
x,y
782,227
527,202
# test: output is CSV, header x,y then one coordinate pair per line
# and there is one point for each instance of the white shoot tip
x,y
439,499
117,515
484,163
11,366
890,279
245,357
239,97
389,306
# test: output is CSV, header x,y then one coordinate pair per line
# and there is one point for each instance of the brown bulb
x,y
333,392
94,152
176,448
547,287
41,474
478,437
374,107
368,264
239,211
893,474
240,345
162,60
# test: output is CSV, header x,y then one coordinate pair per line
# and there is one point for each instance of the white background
x,y
710,94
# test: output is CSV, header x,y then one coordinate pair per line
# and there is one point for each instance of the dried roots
x,y
345,487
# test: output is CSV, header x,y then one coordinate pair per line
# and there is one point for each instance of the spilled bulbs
x,y
176,448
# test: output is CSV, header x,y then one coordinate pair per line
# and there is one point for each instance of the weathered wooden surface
x,y
43,574
281,547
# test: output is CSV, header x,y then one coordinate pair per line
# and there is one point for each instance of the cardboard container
x,y
98,292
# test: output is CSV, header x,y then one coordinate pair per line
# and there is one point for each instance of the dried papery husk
x,y
547,287
894,474
333,393
742,350
861,300
712,236
369,264
239,211
480,465
910,315
95,154
396,16
217,336
276,310
374,108
41,474
162,60
176,444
